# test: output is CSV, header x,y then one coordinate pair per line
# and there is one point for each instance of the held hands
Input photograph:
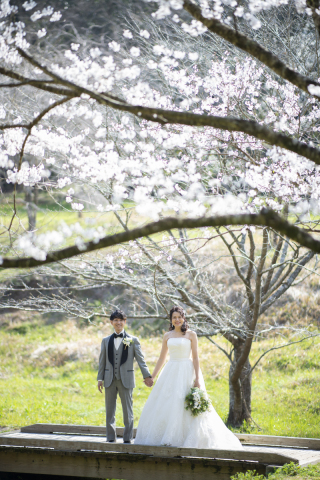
x,y
148,381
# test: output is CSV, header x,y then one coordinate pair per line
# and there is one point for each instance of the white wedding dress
x,y
164,420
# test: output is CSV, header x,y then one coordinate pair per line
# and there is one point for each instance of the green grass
x,y
287,472
48,375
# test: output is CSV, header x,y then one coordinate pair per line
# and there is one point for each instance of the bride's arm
x,y
162,357
195,357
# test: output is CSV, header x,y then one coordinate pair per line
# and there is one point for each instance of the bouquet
x,y
197,401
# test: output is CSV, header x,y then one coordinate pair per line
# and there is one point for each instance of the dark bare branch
x,y
234,259
287,284
251,258
281,346
265,217
220,348
41,84
273,262
285,272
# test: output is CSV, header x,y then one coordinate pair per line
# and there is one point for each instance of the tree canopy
x,y
203,109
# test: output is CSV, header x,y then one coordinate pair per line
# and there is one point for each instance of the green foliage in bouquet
x,y
197,401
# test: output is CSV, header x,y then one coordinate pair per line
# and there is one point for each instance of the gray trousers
x,y
126,401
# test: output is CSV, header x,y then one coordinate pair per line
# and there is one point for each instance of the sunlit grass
x,y
311,472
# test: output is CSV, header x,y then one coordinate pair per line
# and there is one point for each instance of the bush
x,y
249,475
290,470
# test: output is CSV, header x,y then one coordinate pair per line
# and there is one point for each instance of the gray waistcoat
x,y
117,360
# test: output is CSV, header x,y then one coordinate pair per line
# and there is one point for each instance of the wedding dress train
x,y
164,420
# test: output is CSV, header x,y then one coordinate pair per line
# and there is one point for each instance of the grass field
x,y
311,472
48,375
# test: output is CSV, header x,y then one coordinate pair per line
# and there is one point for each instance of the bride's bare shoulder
x,y
191,334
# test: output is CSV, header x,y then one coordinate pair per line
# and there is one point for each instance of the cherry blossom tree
x,y
204,116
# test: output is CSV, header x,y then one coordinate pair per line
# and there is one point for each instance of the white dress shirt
x,y
118,340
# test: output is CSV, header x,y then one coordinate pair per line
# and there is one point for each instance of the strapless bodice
x,y
179,348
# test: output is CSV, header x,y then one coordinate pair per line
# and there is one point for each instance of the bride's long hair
x,y
185,325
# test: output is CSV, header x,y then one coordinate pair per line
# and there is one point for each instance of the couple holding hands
x,y
164,419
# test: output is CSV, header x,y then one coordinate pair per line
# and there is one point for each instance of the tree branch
x,y
39,117
41,84
273,263
288,283
283,264
285,272
235,262
251,259
264,218
235,377
250,46
159,115
156,292
280,346
220,348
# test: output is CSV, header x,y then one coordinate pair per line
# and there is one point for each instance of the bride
x,y
164,420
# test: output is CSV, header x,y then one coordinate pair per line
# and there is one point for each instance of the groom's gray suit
x,y
116,370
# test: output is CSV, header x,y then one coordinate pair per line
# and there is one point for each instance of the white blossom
x,y
179,55
194,29
27,175
135,51
62,182
41,33
5,162
314,90
114,46
29,5
95,52
77,206
301,5
56,17
152,65
45,12
127,34
144,34
254,21
239,11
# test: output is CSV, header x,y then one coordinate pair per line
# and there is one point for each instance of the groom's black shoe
x,y
110,441
127,441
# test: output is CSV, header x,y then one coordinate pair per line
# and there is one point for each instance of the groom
x,y
117,373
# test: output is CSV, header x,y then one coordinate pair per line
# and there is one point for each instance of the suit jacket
x,y
106,361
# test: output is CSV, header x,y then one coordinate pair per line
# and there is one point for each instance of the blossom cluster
x,y
111,158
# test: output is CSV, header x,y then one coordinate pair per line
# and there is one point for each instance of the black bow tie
x,y
116,335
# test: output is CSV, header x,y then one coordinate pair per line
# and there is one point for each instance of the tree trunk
x,y
31,207
239,394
